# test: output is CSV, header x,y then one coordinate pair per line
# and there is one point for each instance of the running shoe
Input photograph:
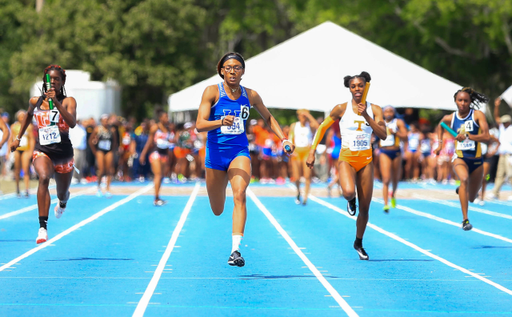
x,y
393,202
99,193
159,202
42,235
466,226
361,252
351,207
236,259
329,191
18,194
297,199
457,190
386,208
61,207
108,194
26,194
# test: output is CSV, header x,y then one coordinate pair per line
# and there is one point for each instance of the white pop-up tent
x,y
307,71
93,98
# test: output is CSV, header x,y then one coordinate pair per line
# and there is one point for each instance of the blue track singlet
x,y
226,143
468,150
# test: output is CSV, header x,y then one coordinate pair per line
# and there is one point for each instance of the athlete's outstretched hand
x,y
290,146
310,162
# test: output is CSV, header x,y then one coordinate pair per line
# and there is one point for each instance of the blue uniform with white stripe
x,y
468,150
226,143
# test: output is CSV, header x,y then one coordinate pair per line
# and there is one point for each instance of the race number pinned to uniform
x,y
54,116
49,135
238,126
104,145
360,142
466,145
468,126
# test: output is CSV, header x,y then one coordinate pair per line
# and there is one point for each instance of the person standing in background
x,y
301,135
5,133
78,137
505,151
23,154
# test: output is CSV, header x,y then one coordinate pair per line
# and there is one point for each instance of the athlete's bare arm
x,y
440,132
257,103
377,122
210,96
484,136
149,143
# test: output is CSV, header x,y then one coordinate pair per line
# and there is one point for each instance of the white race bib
x,y
360,142
466,145
104,145
162,144
49,135
54,116
389,141
236,128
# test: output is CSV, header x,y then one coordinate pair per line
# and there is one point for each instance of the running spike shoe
x,y
351,206
386,208
297,199
42,236
466,226
159,202
236,259
61,207
393,202
361,252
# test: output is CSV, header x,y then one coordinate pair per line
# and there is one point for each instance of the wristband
x,y
467,136
18,138
222,122
283,140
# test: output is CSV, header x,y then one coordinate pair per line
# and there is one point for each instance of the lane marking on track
x,y
415,247
457,205
449,222
343,304
77,226
144,301
32,207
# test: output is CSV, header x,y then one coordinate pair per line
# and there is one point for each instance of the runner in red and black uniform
x,y
53,152
158,146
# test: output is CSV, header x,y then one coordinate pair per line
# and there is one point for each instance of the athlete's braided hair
x,y
62,72
364,75
475,97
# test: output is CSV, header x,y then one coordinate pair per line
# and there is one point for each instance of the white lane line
x,y
32,207
144,301
449,222
78,225
415,247
343,304
457,205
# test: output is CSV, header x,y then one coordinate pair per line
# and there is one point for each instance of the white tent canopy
x,y
307,71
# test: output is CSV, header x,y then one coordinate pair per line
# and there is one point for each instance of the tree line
x,y
157,47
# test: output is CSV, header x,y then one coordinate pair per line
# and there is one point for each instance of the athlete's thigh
x,y
396,167
239,173
305,169
100,159
295,163
385,166
347,176
365,185
461,169
216,182
475,181
17,160
156,166
43,167
25,160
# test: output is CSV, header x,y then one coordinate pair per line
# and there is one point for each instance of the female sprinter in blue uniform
x,y
223,112
472,128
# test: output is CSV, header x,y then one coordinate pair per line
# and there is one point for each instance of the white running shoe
x,y
99,193
476,201
108,195
491,196
42,236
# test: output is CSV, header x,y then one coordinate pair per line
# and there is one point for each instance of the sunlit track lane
x,y
96,270
274,281
397,280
